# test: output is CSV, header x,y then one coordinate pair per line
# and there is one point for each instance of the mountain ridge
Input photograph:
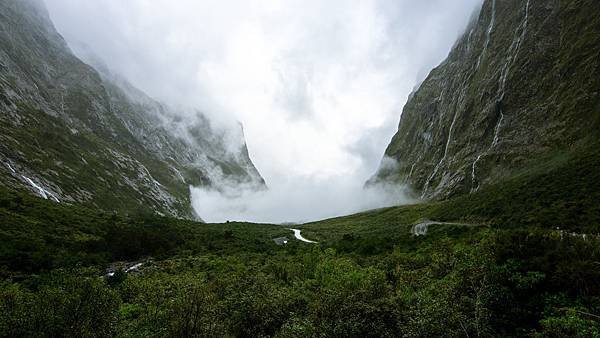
x,y
517,86
73,132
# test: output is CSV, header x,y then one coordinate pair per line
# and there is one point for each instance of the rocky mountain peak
x,y
73,134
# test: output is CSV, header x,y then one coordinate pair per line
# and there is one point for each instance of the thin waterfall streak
x,y
488,34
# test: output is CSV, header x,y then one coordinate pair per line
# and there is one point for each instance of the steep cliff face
x,y
72,134
521,84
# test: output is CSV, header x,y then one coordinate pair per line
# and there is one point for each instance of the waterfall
x,y
514,50
41,191
412,168
488,34
449,138
512,57
497,131
11,168
473,177
513,53
437,167
494,143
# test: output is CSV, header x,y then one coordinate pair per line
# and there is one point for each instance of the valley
x,y
514,273
497,233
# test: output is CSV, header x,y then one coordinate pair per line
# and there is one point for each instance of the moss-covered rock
x,y
79,135
519,86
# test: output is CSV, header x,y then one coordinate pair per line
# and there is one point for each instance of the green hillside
x,y
502,268
501,141
518,87
87,136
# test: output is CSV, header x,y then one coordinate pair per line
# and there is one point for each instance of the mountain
x,y
518,89
71,133
518,258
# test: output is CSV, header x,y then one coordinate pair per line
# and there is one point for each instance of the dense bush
x,y
65,304
502,270
508,283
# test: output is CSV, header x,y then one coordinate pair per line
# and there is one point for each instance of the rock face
x,y
520,85
73,134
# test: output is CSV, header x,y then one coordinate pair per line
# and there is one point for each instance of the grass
x,y
39,235
560,191
508,273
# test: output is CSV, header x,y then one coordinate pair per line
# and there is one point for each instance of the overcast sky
x,y
319,85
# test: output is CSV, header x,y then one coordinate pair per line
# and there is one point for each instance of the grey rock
x,y
520,84
86,136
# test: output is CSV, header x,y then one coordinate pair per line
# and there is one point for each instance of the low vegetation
x,y
506,271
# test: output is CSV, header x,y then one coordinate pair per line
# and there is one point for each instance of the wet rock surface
x,y
77,133
519,85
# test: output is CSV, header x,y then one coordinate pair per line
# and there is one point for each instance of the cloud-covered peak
x,y
318,85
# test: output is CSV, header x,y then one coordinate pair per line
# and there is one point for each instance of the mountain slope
x,y
71,134
518,87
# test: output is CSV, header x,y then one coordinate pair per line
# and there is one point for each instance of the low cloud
x,y
318,85
294,201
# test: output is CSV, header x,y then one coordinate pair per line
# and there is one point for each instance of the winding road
x,y
421,228
299,236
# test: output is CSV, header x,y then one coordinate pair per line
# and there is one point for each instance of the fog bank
x,y
294,201
318,85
